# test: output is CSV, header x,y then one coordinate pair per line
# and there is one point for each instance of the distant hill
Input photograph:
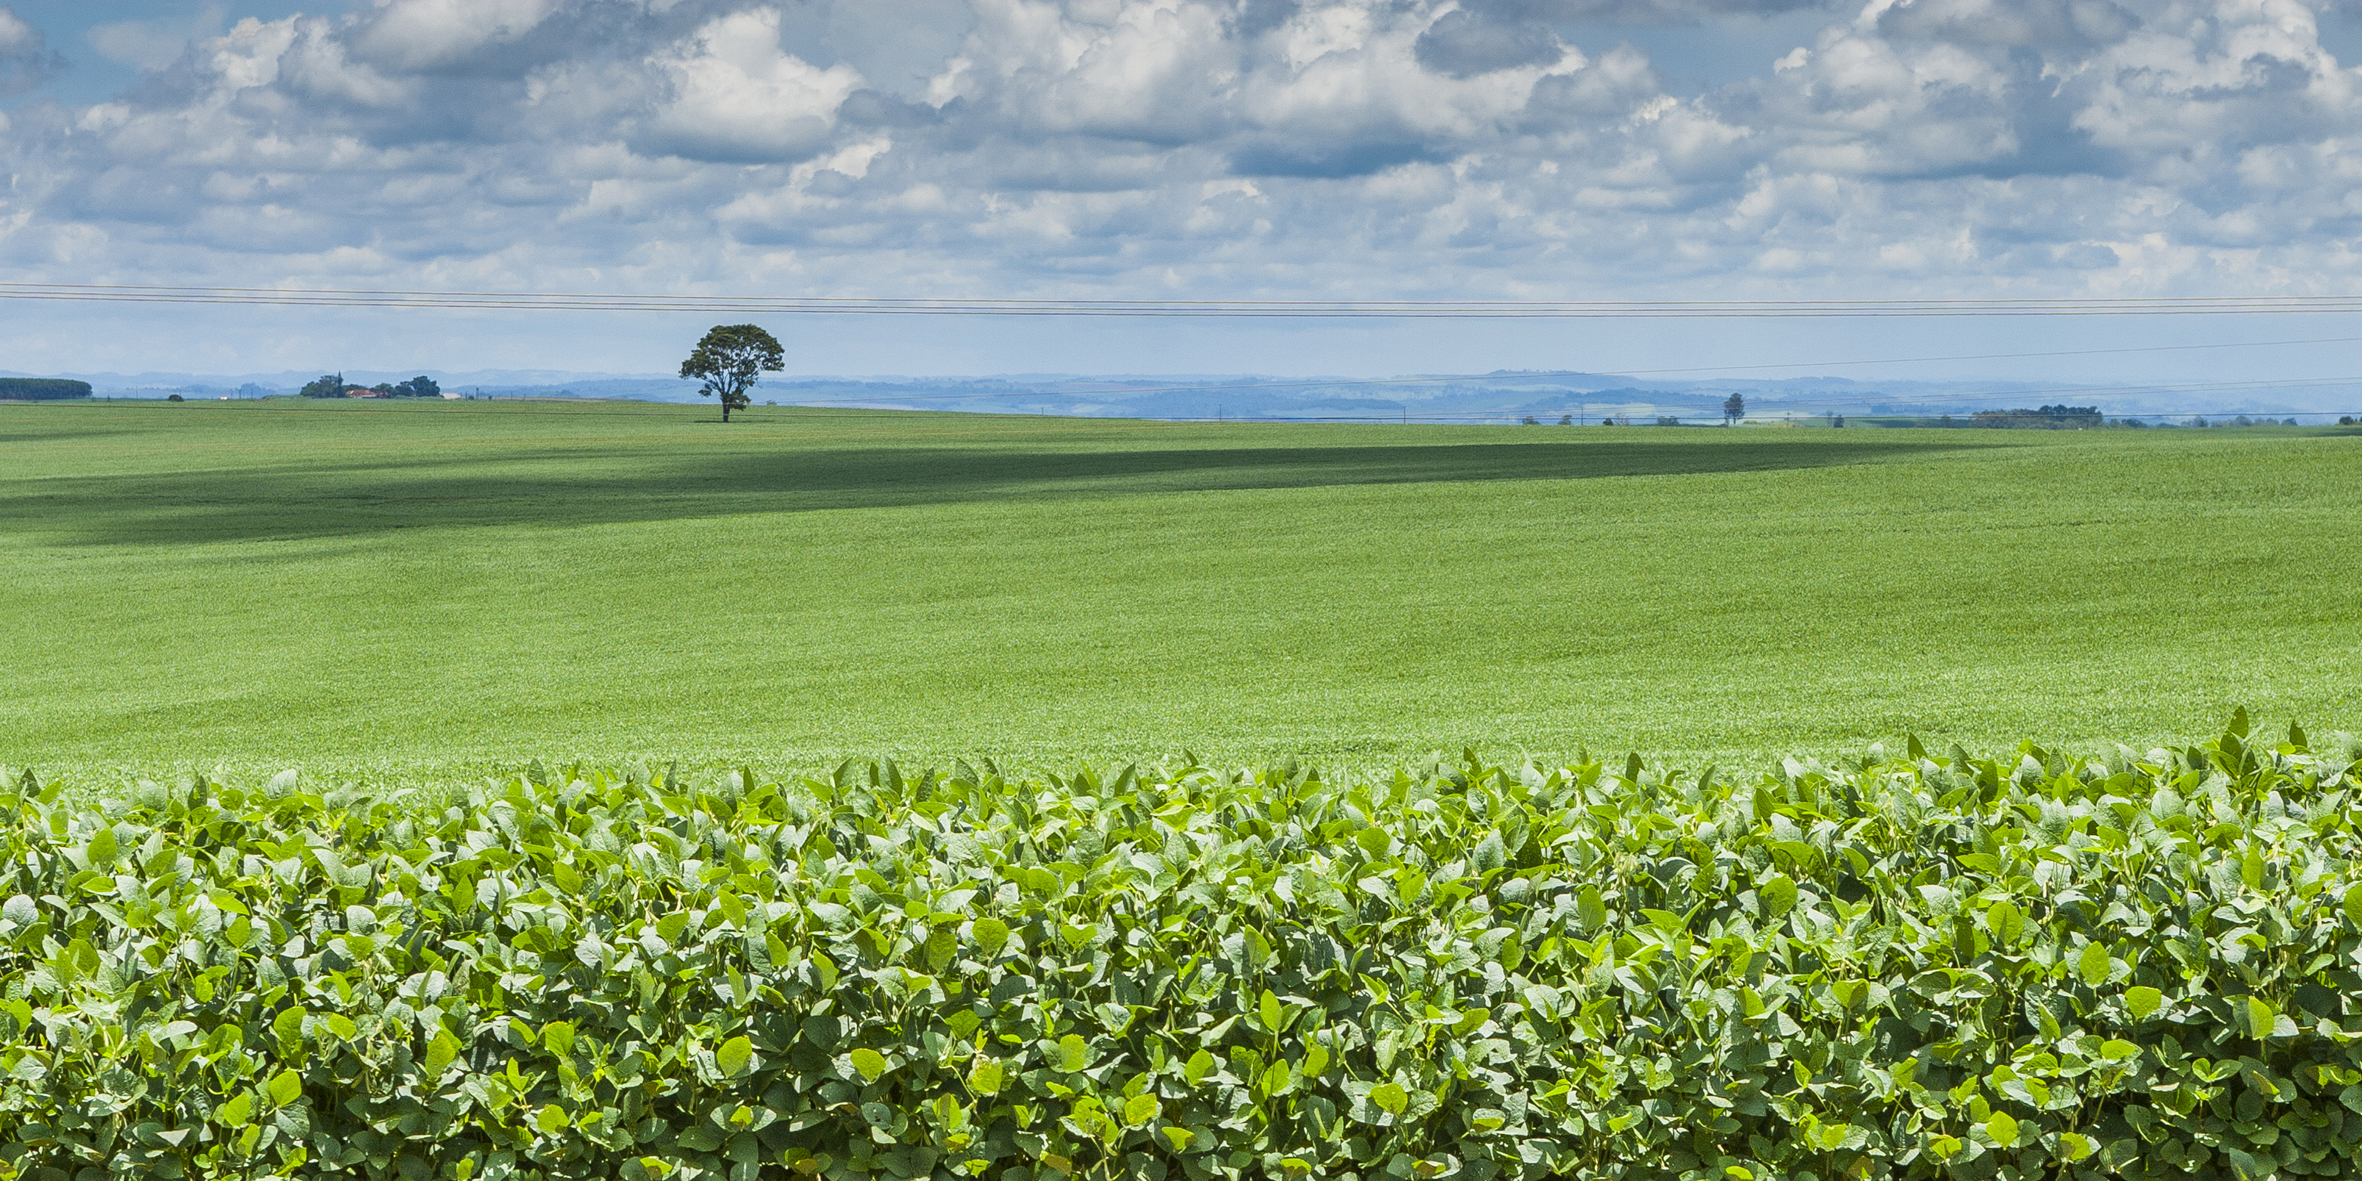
x,y
1499,397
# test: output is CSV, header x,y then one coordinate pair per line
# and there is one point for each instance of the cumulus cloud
x,y
1464,43
26,61
2059,23
736,96
153,44
1639,12
437,34
1223,147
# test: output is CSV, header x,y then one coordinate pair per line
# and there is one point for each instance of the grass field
x,y
421,591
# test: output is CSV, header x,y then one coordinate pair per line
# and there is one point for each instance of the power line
x,y
2158,348
1926,399
887,405
1506,377
619,407
1185,309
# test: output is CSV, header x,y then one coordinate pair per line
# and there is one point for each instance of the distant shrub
x,y
41,389
1920,967
175,398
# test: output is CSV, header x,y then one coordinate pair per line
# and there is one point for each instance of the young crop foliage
x,y
1921,967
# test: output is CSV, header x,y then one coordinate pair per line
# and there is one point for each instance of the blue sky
x,y
1434,149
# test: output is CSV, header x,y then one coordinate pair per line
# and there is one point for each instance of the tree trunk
x,y
725,410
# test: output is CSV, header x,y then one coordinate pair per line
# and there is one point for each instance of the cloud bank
x,y
1310,148
26,61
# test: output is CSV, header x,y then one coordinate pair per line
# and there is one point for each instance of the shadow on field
x,y
538,488
42,438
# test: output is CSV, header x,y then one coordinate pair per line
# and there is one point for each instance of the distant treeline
x,y
334,386
2058,418
41,389
2050,418
2041,418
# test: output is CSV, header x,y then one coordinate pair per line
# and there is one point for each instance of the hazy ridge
x,y
1501,396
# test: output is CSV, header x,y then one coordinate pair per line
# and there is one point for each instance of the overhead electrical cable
x,y
1182,308
1855,401
1933,398
1504,377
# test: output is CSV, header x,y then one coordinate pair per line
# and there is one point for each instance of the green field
x,y
422,591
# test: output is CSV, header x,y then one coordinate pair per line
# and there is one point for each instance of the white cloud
x,y
26,60
432,34
2048,23
153,44
1222,147
738,97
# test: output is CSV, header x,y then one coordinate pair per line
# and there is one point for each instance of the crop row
x,y
1924,966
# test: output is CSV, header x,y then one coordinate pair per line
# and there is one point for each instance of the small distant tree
x,y
729,360
330,386
1566,420
420,386
1529,420
1734,408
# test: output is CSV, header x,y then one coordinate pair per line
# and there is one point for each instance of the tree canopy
x,y
333,385
41,389
729,360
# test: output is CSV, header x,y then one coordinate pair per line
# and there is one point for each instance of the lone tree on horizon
x,y
1734,408
729,360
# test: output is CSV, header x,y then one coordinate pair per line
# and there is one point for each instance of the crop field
x,y
425,591
1899,969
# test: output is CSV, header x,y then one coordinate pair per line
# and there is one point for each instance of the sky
x,y
1184,149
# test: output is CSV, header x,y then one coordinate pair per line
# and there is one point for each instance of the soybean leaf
x,y
2093,965
2142,1000
441,1051
1139,1110
734,1056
